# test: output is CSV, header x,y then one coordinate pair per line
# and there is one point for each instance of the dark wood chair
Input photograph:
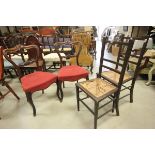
x,y
47,38
71,72
99,89
8,42
32,40
2,79
129,76
35,81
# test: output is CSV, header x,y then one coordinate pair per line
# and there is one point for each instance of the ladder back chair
x,y
99,89
129,76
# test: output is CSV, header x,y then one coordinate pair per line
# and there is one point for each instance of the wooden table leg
x,y
150,74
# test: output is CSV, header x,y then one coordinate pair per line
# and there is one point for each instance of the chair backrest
x,y
47,37
1,63
13,40
21,49
85,59
32,40
122,65
139,56
59,46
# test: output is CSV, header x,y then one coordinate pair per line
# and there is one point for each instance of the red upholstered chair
x,y
69,73
2,80
35,81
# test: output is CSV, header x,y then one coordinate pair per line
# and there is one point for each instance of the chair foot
x,y
59,91
95,114
117,110
131,96
77,98
29,99
42,91
63,84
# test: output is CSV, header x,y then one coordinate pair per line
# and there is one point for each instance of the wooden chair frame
x,y
76,55
112,95
20,49
138,65
2,79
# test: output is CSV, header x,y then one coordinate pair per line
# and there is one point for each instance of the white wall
x,y
120,29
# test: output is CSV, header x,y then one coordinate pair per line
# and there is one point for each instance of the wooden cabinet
x,y
139,31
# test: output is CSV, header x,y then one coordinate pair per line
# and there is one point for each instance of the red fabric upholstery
x,y
37,81
46,31
72,73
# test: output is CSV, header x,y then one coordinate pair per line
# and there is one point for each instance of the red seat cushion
x,y
72,73
37,81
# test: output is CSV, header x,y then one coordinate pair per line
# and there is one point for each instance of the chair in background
x,y
47,37
71,72
35,81
99,89
9,42
32,40
113,76
2,79
85,59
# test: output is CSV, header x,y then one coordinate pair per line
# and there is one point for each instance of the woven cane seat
x,y
98,88
113,76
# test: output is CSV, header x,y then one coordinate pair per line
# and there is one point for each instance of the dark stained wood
x,y
105,88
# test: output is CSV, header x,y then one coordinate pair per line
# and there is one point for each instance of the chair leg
x,y
42,91
77,98
95,114
95,54
29,99
87,78
131,95
131,90
113,105
10,89
10,73
116,102
15,72
117,105
63,84
1,94
58,89
60,92
91,69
